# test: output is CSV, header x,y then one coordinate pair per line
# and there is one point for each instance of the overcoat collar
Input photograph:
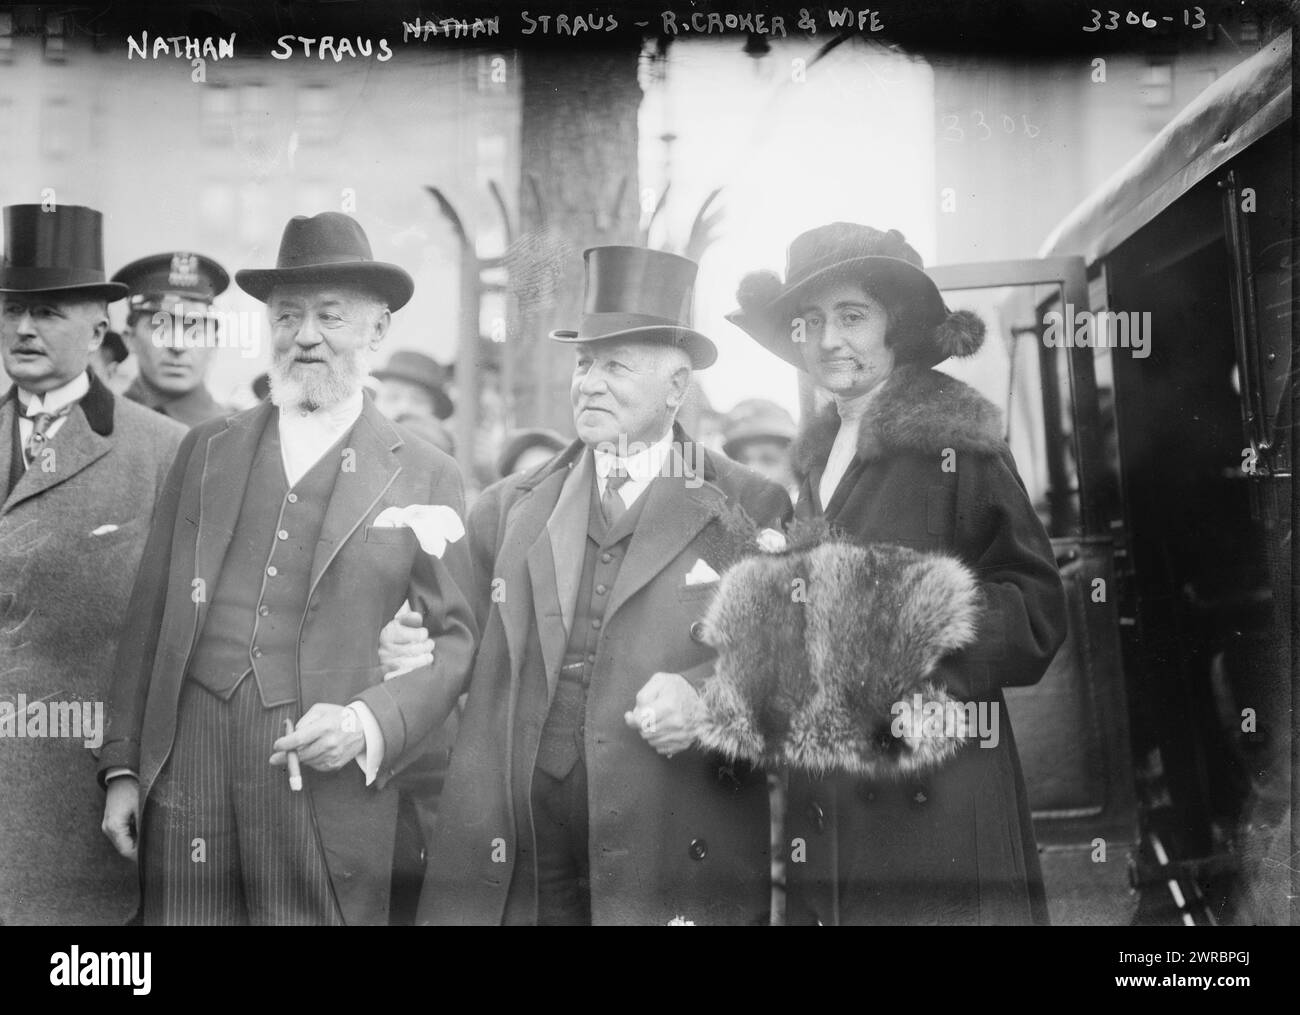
x,y
917,410
82,440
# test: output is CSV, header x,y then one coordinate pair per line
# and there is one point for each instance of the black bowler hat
x,y
640,295
56,250
329,248
885,264
160,281
417,368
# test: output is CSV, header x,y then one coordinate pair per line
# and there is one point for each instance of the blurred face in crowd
x,y
398,398
47,339
768,457
630,389
320,338
845,349
172,347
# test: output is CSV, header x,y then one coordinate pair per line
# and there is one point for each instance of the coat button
x,y
697,631
919,796
292,498
257,653
865,792
817,816
263,610
272,571
601,590
699,849
283,534
595,623
605,558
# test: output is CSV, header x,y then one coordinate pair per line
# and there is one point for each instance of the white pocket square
x,y
104,530
434,525
701,574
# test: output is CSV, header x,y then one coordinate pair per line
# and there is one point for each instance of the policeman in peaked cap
x,y
172,329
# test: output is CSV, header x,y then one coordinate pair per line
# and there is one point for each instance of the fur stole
x,y
822,651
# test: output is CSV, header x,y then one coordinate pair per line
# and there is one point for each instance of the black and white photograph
x,y
675,464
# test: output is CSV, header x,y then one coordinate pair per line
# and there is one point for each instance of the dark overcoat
x,y
360,576
71,534
949,841
682,838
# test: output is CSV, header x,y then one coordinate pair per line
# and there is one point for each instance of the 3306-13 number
x,y
1193,17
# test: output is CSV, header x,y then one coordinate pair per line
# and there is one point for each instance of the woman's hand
x,y
668,713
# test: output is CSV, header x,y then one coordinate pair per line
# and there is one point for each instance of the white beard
x,y
295,386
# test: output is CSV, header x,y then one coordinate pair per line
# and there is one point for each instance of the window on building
x,y
1156,85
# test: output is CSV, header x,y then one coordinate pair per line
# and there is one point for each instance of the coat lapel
x,y
8,407
521,563
73,448
227,461
373,442
555,565
674,514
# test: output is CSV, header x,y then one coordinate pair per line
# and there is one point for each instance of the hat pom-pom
x,y
960,334
757,290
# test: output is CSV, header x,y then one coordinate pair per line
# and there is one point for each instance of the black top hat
x,y
56,250
641,295
885,263
417,368
331,248
159,281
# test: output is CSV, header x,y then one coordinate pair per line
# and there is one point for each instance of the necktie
x,y
611,504
41,424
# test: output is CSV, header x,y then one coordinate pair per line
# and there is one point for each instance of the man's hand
x,y
327,738
404,644
121,810
668,713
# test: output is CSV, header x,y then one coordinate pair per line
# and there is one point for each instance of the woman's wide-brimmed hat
x,y
329,248
58,249
640,295
885,264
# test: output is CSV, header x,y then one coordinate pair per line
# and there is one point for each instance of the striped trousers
x,y
226,842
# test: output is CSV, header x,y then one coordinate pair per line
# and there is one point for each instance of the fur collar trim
x,y
917,409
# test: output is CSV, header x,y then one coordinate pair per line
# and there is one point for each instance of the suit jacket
x,y
360,575
71,534
686,837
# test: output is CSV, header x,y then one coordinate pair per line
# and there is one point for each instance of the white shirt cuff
x,y
113,773
373,755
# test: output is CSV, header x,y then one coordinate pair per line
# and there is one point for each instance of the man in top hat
x,y
574,794
286,537
171,328
79,472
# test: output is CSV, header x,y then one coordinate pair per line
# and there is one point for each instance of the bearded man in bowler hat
x,y
286,536
575,793
79,472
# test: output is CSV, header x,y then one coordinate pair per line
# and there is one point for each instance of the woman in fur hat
x,y
871,664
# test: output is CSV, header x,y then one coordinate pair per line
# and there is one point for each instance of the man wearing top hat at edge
x,y
79,472
285,538
170,298
594,572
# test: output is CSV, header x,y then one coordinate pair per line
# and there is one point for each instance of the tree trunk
x,y
578,188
